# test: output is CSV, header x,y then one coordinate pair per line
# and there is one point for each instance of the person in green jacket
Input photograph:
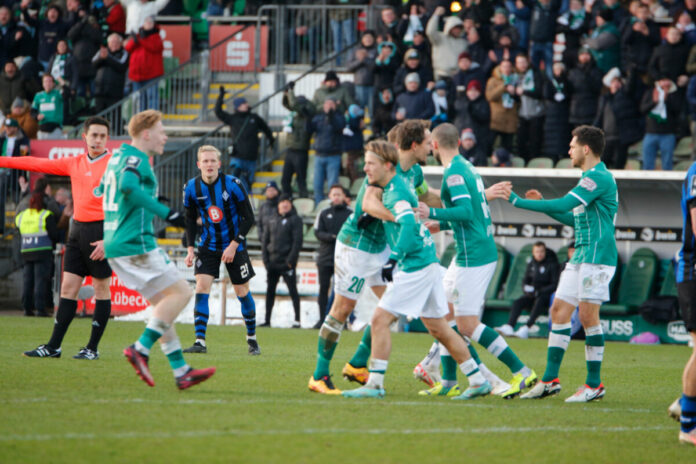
x,y
604,43
298,139
48,106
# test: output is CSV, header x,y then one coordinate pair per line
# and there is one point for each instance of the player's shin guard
x,y
249,313
559,339
172,349
362,354
329,335
153,331
594,353
378,367
449,367
102,311
688,414
64,316
201,313
497,346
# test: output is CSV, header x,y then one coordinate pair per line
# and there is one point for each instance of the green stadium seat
x,y
304,206
355,187
632,165
517,162
513,283
543,163
344,181
683,148
501,270
309,238
564,163
448,255
669,283
683,165
323,204
636,283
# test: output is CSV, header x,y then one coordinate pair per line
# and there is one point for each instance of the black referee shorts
x,y
240,269
687,303
78,249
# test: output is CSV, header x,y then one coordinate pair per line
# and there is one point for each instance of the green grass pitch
x,y
258,409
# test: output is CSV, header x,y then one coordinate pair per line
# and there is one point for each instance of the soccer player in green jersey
x,y
129,190
467,214
417,287
591,208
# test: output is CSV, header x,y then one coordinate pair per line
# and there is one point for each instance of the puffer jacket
x,y
303,111
502,119
146,60
585,84
282,241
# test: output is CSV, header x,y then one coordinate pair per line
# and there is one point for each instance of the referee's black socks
x,y
102,311
64,316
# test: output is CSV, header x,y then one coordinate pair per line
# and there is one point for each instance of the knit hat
x,y
614,73
503,156
285,197
273,184
463,55
606,14
468,134
355,111
412,54
9,122
474,84
584,50
501,11
412,77
331,76
440,85
237,102
18,103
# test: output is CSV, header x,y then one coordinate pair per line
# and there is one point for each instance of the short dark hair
x,y
337,186
592,137
539,244
410,131
447,135
96,121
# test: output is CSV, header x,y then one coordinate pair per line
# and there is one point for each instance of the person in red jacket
x,y
113,16
146,63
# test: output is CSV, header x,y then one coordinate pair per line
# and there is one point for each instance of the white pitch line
x,y
518,404
278,432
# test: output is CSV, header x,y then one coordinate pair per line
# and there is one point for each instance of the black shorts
x,y
687,303
78,249
239,270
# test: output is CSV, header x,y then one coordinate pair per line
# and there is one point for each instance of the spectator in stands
x,y
556,125
691,102
619,118
604,42
638,40
85,37
422,46
268,209
282,241
585,84
22,114
353,141
447,44
304,27
326,227
662,106
413,103
138,11
529,89
327,127
12,86
51,29
669,58
10,36
298,140
388,25
49,110
412,23
37,253
146,62
412,64
443,104
501,26
476,46
13,142
503,50
112,18
74,13
539,282
61,65
477,11
522,15
472,111
685,24
362,65
245,127
332,88
500,93
501,158
542,31
382,120
470,150
469,70
111,63
573,24
343,26
386,64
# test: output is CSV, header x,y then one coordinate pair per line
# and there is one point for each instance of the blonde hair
x,y
393,134
384,151
143,121
208,148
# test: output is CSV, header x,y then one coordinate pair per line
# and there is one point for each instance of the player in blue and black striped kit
x,y
226,215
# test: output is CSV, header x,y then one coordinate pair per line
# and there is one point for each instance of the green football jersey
x,y
410,241
128,228
474,236
595,217
372,238
50,105
414,178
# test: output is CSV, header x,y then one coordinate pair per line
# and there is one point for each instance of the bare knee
x,y
101,289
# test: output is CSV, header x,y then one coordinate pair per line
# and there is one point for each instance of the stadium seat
x,y
683,148
517,162
310,240
355,187
636,283
501,270
513,283
683,165
304,206
632,165
564,163
543,163
448,255
323,204
344,181
669,283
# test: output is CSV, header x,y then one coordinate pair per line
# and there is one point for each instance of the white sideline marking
x,y
390,431
522,404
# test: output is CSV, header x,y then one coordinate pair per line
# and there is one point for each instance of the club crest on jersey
x,y
588,184
215,214
225,196
693,186
402,206
455,179
133,162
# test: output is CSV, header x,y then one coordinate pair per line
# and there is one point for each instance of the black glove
x,y
388,270
222,91
365,220
176,219
290,86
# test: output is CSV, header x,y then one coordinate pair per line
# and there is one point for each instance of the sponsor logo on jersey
x,y
455,179
588,184
402,206
215,214
133,162
693,186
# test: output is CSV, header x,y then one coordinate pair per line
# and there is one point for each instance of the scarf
x,y
659,112
440,103
559,96
528,80
508,101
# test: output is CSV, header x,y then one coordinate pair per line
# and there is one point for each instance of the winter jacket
x,y
245,128
636,48
691,62
605,46
503,119
111,74
624,106
382,120
573,28
329,130
495,32
48,36
673,102
339,93
385,70
669,60
268,211
691,98
8,44
543,276
418,105
585,84
531,100
475,156
63,66
137,11
364,70
282,241
462,78
425,74
520,18
145,50
326,227
86,38
542,26
10,89
353,142
556,125
446,49
475,115
114,17
27,123
303,111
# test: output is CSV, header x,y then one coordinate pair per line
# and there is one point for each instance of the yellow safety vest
x,y
32,226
